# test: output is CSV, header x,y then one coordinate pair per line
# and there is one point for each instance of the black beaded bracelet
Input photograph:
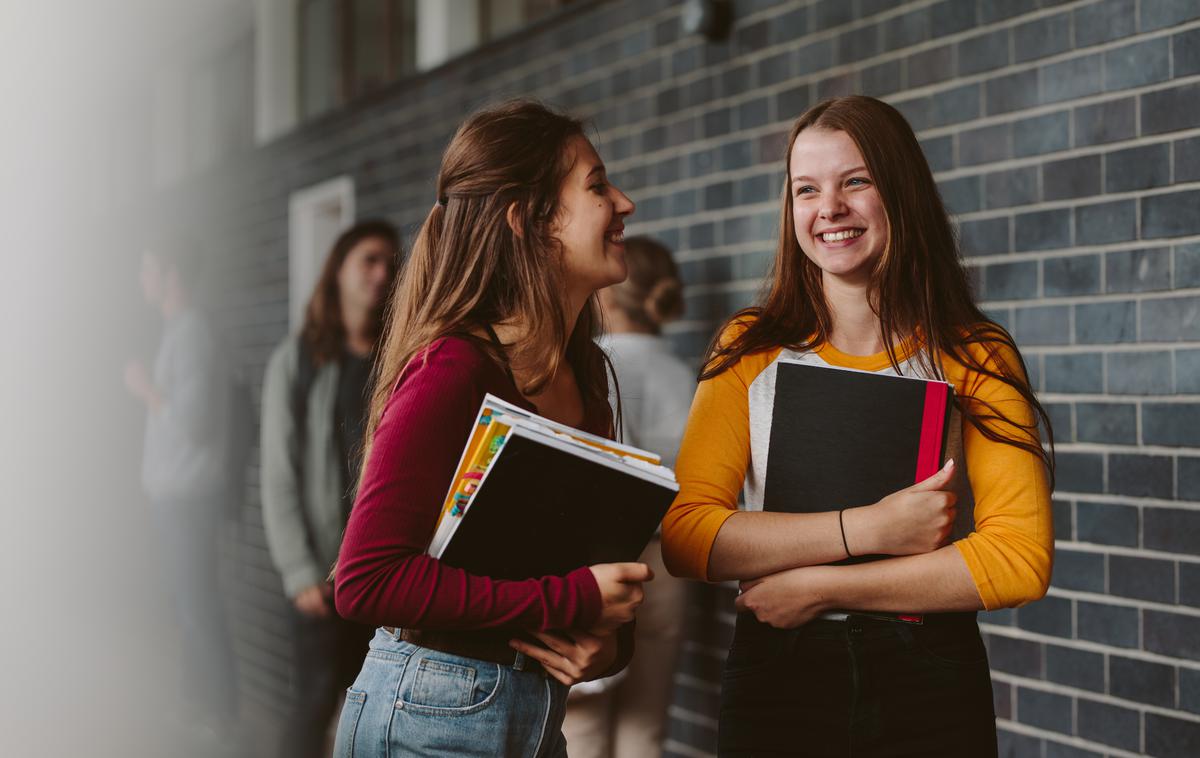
x,y
842,526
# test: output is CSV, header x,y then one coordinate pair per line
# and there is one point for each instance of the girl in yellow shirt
x,y
867,276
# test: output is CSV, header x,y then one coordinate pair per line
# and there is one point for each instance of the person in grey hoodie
x,y
313,415
187,474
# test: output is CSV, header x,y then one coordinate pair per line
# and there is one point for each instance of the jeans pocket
x,y
448,688
348,723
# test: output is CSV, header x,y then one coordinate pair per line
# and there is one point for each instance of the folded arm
x,y
384,575
1005,562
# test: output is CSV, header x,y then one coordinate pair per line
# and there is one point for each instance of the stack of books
x,y
532,497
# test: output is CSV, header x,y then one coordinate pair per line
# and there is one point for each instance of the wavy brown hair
x,y
918,285
323,332
470,267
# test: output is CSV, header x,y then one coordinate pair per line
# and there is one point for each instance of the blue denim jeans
x,y
412,701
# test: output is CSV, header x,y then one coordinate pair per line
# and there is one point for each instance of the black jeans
x,y
859,687
329,653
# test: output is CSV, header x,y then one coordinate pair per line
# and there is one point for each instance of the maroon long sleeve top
x,y
384,577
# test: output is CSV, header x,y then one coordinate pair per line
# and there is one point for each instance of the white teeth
x,y
617,237
843,235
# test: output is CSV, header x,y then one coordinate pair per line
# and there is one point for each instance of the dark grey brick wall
x,y
1066,138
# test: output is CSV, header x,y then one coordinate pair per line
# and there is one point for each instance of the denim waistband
x,y
391,640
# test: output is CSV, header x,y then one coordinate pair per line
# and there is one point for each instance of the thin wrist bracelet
x,y
842,526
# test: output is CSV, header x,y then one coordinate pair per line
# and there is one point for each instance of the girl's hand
x,y
916,519
786,600
314,601
621,592
571,657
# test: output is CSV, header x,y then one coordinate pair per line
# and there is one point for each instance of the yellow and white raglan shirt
x,y
1006,539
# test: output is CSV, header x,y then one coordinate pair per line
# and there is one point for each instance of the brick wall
x,y
1066,139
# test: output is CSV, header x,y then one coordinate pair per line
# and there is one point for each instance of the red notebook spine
x,y
929,452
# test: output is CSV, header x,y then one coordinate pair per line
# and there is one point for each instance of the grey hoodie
x,y
301,489
186,455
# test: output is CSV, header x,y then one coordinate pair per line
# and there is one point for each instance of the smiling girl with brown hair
x,y
867,276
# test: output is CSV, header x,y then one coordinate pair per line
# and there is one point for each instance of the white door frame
x,y
316,215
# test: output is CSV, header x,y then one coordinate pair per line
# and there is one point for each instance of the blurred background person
x,y
625,716
187,474
313,415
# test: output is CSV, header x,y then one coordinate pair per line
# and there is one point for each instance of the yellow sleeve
x,y
1010,553
711,465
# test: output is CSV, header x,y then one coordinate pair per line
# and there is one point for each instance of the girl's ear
x,y
513,221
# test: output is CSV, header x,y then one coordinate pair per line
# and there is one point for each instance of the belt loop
x,y
519,661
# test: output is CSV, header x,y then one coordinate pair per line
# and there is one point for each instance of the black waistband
x,y
747,624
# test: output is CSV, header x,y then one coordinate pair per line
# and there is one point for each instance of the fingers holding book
x,y
913,520
620,591
571,657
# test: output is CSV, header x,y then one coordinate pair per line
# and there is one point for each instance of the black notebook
x,y
540,499
842,438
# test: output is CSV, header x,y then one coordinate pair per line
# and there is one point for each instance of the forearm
x,y
928,583
415,590
755,543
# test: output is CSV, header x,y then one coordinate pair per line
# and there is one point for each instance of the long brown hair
x,y
469,268
323,332
918,285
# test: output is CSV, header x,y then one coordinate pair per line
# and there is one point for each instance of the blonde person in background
x,y
626,715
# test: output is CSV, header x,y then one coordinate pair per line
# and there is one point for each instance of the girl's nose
x,y
624,205
833,205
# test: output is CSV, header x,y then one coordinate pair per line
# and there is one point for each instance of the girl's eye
x,y
599,187
806,189
858,180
